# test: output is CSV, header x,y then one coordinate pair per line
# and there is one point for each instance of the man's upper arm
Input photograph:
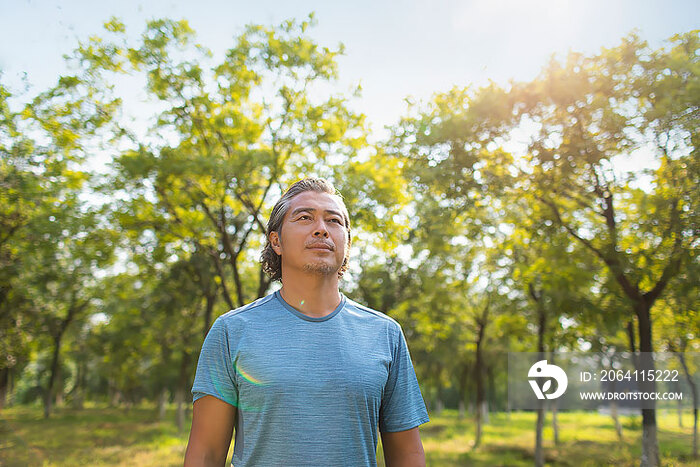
x,y
402,404
403,448
210,436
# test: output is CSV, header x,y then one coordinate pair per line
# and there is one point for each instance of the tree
x,y
42,148
242,129
679,327
458,181
20,200
592,110
556,279
192,205
61,287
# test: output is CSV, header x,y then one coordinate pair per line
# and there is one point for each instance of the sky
x,y
394,49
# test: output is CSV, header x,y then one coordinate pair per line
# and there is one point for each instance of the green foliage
x,y
469,237
51,242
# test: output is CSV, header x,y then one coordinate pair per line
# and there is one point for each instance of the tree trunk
x,y
180,392
165,353
633,347
491,393
110,393
539,449
53,375
613,409
695,431
115,395
616,419
264,283
464,374
238,283
222,276
694,393
485,412
162,403
4,386
179,410
541,327
439,406
481,322
77,393
479,378
650,445
438,402
211,300
477,435
555,425
55,362
59,387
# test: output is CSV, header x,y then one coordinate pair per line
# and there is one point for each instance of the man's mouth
x,y
323,246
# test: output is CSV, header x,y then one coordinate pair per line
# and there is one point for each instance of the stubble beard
x,y
320,268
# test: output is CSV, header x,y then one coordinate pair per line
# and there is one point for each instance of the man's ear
x,y
275,242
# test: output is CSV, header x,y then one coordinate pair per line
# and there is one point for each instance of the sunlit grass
x,y
116,437
97,436
584,439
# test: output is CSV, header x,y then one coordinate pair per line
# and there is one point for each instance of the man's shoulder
x,y
374,314
257,305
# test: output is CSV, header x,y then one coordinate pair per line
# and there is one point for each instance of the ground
x,y
119,437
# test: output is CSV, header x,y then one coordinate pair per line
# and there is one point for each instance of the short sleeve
x,y
215,369
402,406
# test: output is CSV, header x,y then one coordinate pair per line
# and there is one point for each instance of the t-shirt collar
x,y
301,315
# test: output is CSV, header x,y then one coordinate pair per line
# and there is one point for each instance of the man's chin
x,y
321,268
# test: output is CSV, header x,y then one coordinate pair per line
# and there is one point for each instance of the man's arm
x,y
403,449
210,435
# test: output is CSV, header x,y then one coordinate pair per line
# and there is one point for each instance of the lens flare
x,y
251,379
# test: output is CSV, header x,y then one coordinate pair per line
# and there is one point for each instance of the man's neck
x,y
312,294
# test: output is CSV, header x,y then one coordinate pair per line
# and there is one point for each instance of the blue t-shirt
x,y
309,391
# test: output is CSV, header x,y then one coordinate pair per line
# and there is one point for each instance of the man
x,y
305,374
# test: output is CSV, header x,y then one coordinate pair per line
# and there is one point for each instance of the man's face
x,y
314,236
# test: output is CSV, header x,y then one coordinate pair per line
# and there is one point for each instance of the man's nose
x,y
320,229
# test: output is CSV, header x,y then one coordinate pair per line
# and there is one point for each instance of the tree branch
x,y
612,261
673,266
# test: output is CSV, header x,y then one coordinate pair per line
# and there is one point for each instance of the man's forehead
x,y
317,201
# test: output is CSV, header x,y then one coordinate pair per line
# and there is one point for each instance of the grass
x,y
117,437
93,436
584,439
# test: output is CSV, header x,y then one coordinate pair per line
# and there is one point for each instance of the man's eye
x,y
304,217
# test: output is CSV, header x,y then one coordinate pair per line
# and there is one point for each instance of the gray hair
x,y
271,261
